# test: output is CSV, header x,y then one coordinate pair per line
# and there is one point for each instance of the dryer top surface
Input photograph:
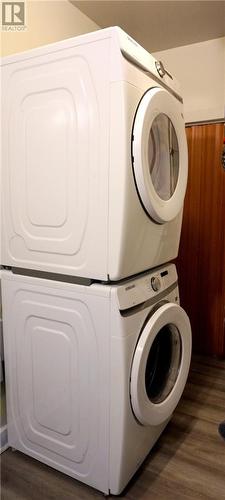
x,y
123,42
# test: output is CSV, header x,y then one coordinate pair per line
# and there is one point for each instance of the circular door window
x,y
160,364
163,363
159,150
163,156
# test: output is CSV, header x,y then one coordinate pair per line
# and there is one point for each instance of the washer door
x,y
159,151
160,365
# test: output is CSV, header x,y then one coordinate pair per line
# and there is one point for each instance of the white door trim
x,y
147,412
154,102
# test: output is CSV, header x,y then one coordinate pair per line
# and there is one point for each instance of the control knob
x,y
155,283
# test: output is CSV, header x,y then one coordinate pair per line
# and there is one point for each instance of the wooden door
x,y
201,260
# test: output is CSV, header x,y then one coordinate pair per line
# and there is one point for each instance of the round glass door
x,y
163,156
159,150
160,364
163,363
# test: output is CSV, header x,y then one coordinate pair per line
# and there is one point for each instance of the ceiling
x,y
159,25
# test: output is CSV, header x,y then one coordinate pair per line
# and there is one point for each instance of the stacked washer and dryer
x,y
97,347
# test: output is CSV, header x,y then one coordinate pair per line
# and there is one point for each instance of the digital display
x,y
164,273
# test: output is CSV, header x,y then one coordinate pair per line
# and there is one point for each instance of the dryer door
x,y
160,365
159,151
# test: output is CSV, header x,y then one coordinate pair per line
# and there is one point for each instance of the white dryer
x,y
95,158
93,373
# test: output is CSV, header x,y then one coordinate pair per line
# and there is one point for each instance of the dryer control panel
x,y
149,285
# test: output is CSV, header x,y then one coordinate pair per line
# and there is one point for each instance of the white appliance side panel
x,y
55,161
57,377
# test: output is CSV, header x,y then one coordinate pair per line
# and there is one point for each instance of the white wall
x,y
200,68
47,21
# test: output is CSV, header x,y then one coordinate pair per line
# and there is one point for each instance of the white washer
x,y
95,158
93,373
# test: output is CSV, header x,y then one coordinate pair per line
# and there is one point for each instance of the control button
x,y
155,283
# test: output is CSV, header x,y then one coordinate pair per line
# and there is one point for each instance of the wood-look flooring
x,y
187,463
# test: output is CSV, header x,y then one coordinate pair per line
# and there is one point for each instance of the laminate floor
x,y
187,463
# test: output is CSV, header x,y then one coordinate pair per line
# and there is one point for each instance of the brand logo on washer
x,y
129,287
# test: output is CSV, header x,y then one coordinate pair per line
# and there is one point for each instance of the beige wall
x,y
200,68
47,21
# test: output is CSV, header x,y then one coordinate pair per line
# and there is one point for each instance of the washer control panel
x,y
147,286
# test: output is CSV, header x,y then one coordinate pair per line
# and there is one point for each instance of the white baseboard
x,y
3,439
